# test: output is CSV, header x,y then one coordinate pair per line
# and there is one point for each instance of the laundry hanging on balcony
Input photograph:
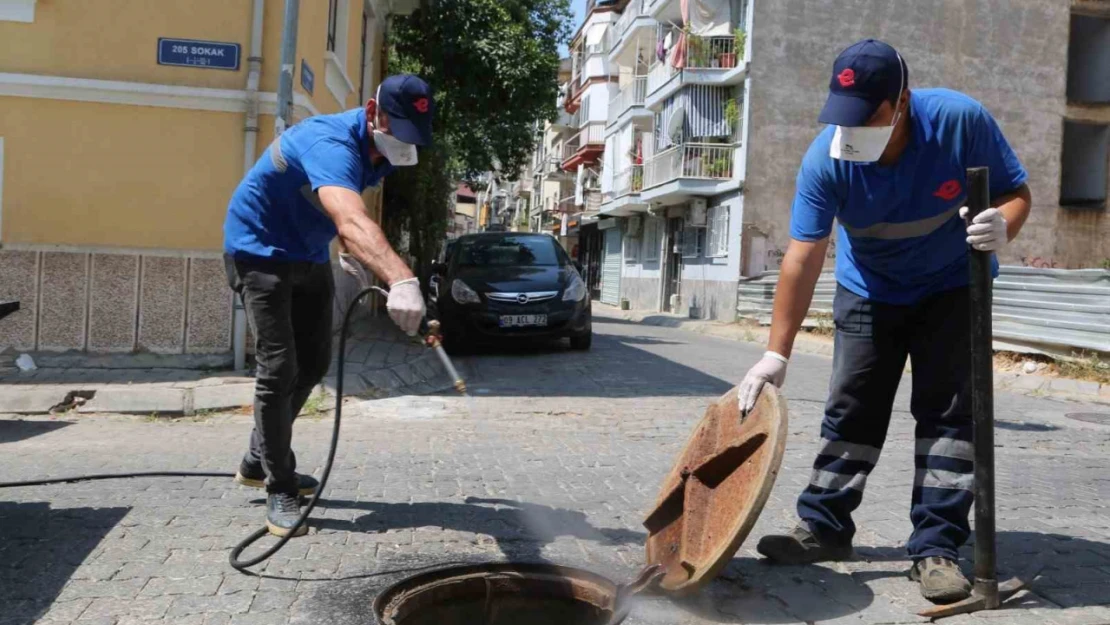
x,y
709,18
703,108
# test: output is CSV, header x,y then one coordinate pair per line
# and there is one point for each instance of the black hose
x,y
233,558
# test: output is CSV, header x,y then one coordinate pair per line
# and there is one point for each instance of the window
x,y
510,251
690,241
1083,181
333,26
1088,58
718,232
653,231
631,249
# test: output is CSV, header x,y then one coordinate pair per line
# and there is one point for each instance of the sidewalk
x,y
381,361
808,343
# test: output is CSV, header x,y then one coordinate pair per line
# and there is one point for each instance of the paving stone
x,y
234,603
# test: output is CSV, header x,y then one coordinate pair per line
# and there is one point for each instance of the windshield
x,y
509,252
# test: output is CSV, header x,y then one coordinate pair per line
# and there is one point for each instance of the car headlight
x,y
576,290
464,294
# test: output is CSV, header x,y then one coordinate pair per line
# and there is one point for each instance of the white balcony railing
x,y
632,95
701,53
711,161
591,134
658,75
711,52
628,181
631,12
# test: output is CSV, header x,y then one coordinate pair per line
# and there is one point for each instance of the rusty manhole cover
x,y
715,492
1090,417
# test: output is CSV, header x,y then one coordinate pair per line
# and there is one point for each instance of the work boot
x,y
800,546
941,580
282,512
254,476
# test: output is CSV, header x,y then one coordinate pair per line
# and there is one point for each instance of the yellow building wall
x,y
75,173
118,39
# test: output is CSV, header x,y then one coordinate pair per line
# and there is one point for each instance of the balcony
x,y
630,98
632,21
566,205
625,198
584,146
690,169
709,61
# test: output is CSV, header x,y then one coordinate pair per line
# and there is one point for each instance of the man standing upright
x,y
302,193
891,169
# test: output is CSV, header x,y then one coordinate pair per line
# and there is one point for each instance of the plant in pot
x,y
740,39
637,180
732,114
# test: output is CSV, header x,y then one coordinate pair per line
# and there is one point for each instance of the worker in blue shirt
x,y
891,170
303,192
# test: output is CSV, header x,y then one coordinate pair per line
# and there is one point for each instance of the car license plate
x,y
516,321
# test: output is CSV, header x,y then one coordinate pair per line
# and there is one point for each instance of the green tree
x,y
493,65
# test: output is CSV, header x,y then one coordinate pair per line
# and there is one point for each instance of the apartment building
x,y
124,128
674,158
712,104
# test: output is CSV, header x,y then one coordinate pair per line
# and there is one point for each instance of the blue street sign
x,y
308,79
194,53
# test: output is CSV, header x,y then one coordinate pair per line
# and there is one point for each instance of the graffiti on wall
x,y
1039,262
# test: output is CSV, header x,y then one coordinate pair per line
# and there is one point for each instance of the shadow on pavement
x,y
12,431
752,591
613,368
521,530
40,548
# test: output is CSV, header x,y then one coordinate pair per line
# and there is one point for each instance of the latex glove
x,y
987,232
354,268
771,368
406,305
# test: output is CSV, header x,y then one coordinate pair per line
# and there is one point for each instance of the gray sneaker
x,y
941,580
800,546
283,510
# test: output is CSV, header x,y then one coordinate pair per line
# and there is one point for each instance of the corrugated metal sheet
x,y
1054,310
611,268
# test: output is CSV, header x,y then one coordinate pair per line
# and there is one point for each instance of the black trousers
x,y
872,343
289,309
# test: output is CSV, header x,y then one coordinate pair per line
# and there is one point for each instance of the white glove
x,y
987,232
406,305
771,368
354,268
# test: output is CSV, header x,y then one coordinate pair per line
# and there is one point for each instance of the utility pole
x,y
284,118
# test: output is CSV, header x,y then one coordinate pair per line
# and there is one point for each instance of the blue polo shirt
x,y
275,213
900,237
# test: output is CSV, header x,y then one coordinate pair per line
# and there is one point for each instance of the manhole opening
x,y
1090,417
499,594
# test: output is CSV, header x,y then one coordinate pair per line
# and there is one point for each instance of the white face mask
x,y
397,152
863,144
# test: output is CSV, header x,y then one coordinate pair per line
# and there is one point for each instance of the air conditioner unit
x,y
698,216
635,224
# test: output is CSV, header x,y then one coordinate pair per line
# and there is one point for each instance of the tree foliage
x,y
493,65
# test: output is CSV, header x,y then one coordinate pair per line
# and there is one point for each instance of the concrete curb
x,y
1020,383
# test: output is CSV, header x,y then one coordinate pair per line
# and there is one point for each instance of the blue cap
x,y
407,101
864,75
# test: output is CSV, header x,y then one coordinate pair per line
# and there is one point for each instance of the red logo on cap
x,y
949,190
421,105
847,78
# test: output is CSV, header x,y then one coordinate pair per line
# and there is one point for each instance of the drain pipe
x,y
284,118
250,145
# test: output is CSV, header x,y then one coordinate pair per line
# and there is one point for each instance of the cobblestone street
x,y
555,458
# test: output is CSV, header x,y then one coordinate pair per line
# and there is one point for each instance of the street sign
x,y
195,53
308,79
